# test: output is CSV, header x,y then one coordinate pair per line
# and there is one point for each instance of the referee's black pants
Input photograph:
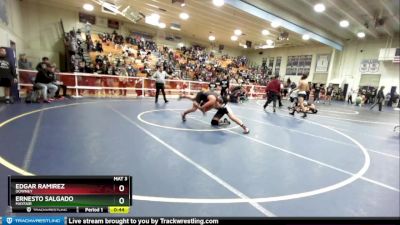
x,y
272,97
160,86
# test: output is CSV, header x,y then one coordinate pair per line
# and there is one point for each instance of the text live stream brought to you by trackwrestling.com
x,y
61,220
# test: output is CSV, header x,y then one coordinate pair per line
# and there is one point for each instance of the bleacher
x,y
109,48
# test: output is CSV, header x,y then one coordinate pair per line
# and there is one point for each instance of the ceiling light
x,y
234,38
361,34
306,37
184,16
153,19
270,42
344,23
180,45
218,3
88,7
183,5
265,32
264,46
151,5
237,32
211,38
275,24
162,25
155,16
174,28
319,7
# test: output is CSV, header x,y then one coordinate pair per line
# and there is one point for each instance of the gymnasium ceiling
x,y
205,18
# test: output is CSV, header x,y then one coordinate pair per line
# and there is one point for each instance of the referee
x,y
160,76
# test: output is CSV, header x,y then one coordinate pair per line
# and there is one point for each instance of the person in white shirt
x,y
160,76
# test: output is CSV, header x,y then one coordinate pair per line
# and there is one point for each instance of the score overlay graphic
x,y
74,194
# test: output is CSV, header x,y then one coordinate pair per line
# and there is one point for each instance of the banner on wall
x,y
87,18
278,65
298,65
270,65
322,64
374,66
113,24
364,67
369,66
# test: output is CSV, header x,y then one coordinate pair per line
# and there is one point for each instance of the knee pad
x,y
214,122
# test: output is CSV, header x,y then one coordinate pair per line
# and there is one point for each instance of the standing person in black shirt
x,y
368,96
316,93
380,99
224,86
373,95
7,75
329,91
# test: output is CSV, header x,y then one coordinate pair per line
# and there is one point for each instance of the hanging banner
x,y
322,64
270,65
369,66
278,65
374,66
3,12
364,67
298,65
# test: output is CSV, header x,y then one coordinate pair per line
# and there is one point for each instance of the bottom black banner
x,y
61,220
206,221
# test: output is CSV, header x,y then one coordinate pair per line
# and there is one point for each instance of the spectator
x,y
98,69
329,92
59,84
90,68
224,86
42,65
99,47
123,80
317,92
7,75
44,80
380,99
23,63
232,80
82,67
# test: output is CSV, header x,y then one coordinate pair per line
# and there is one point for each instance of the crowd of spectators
x,y
138,56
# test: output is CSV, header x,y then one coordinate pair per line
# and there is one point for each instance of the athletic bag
x,y
32,97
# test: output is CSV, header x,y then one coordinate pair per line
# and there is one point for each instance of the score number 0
x,y
121,188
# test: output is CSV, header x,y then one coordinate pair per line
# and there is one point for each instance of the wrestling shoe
x,y
246,131
225,122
